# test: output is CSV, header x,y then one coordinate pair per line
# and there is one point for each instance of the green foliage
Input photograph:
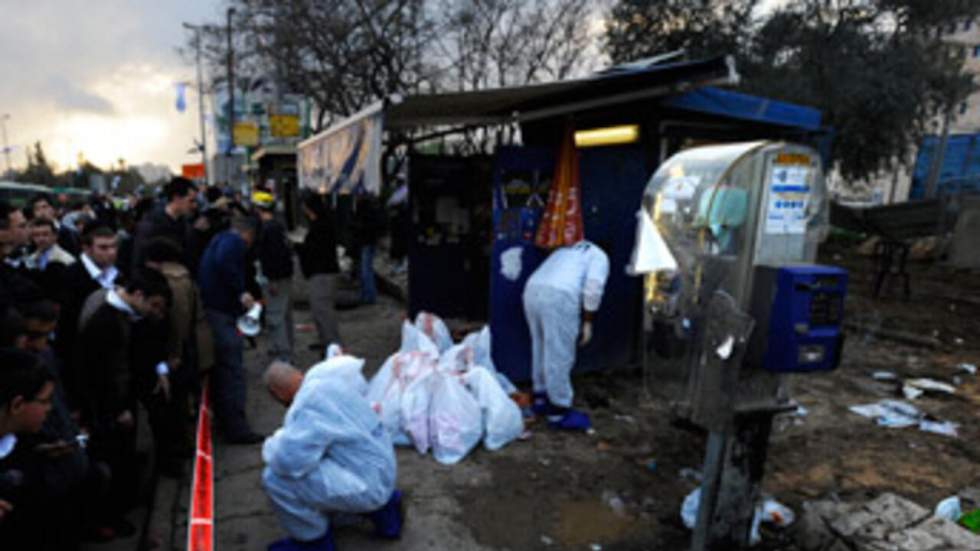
x,y
39,170
877,69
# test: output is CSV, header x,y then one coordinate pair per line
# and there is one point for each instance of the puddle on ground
x,y
585,522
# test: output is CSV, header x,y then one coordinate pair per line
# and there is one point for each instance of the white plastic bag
x,y
455,420
416,400
502,421
480,342
457,359
386,390
433,327
414,340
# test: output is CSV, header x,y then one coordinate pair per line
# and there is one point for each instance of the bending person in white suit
x,y
331,456
560,299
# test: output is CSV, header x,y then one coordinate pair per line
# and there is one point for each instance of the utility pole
x,y
200,102
6,147
231,88
938,156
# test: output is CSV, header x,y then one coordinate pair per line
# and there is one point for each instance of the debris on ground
x,y
886,523
968,368
899,414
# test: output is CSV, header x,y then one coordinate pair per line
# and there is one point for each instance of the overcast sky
x,y
97,77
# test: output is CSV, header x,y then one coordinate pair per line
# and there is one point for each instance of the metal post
x,y
6,146
200,103
938,157
231,89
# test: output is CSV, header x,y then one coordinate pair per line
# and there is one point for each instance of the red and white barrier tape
x,y
200,525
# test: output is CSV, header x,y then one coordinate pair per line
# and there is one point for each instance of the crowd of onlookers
x,y
107,312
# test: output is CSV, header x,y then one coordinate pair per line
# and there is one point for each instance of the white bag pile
x,y
434,394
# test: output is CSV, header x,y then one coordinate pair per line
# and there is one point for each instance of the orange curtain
x,y
561,223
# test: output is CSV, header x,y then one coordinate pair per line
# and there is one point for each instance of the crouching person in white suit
x,y
331,456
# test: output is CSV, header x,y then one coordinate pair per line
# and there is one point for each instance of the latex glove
x,y
163,385
586,333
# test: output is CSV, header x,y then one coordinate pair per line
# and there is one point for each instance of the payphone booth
x,y
745,304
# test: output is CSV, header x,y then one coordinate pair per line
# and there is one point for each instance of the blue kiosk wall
x,y
613,179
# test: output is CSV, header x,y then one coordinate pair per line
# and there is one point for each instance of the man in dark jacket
x,y
94,270
41,207
276,261
221,278
167,221
318,260
107,354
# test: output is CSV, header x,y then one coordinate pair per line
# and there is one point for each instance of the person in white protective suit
x,y
331,456
560,299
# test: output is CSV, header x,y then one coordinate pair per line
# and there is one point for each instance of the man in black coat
x,y
106,357
94,270
167,221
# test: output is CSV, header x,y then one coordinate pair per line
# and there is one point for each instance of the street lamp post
x,y
231,87
200,101
6,146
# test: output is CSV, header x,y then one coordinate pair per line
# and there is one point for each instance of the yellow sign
x,y
246,133
283,126
792,159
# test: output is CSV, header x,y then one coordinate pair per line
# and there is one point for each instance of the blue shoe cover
x,y
540,404
323,543
571,420
388,519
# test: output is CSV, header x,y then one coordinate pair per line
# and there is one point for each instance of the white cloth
x,y
117,302
553,316
105,277
54,254
331,455
580,271
7,444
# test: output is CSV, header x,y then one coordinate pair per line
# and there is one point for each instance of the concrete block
x,y
876,519
951,534
812,530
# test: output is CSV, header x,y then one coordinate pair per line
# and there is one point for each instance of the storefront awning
x,y
550,99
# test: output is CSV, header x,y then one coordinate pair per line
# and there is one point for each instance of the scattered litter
x,y
526,435
931,384
626,418
884,376
595,547
890,413
911,393
614,502
545,540
304,328
945,428
949,508
968,368
971,521
652,465
725,350
800,411
590,432
770,511
691,474
777,513
957,340
545,462
957,380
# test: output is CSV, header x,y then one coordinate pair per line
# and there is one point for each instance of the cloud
x,y
97,78
67,95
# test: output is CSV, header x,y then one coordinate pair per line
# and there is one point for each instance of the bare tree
x,y
346,54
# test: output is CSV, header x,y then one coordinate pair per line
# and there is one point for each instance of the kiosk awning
x,y
538,101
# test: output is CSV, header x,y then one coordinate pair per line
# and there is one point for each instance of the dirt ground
x,y
621,488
